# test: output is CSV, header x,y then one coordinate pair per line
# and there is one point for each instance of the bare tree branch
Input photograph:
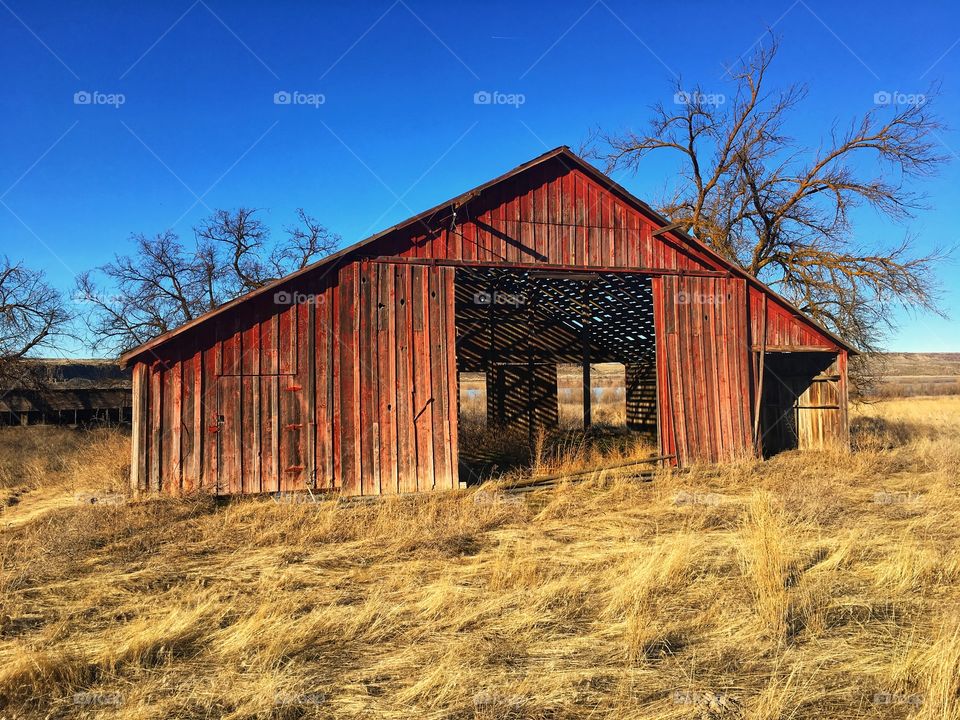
x,y
782,211
33,316
164,284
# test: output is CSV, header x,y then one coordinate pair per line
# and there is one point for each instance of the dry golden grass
x,y
818,585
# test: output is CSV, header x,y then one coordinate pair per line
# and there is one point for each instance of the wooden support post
x,y
531,409
585,341
759,385
587,420
531,403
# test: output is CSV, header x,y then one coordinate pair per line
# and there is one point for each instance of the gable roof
x,y
571,161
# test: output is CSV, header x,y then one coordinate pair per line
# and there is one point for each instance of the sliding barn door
x,y
702,368
406,434
259,413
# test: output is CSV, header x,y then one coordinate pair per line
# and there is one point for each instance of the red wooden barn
x,y
344,375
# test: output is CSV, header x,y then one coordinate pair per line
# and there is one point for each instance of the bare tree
x,y
783,211
165,283
33,316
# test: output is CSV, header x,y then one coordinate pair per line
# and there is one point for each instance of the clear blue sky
x,y
398,130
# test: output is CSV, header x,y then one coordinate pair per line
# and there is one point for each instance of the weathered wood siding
x,y
775,326
703,368
234,408
408,381
343,388
344,377
553,215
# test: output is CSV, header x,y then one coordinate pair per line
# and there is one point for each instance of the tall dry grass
x,y
813,585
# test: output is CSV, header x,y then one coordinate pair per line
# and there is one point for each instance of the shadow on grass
x,y
879,433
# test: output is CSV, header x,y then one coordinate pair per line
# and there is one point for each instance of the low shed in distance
x,y
56,391
343,376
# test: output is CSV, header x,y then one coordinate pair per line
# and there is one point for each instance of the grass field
x,y
821,585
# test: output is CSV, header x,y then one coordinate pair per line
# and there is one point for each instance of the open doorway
x,y
546,356
802,405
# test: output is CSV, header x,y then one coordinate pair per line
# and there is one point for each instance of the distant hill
x,y
907,374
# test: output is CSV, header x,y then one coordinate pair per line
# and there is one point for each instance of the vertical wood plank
x,y
209,471
156,425
387,377
453,386
293,429
269,433
171,420
406,432
287,339
323,391
230,344
336,380
189,446
309,394
423,396
249,465
349,381
269,343
367,359
230,432
140,418
436,306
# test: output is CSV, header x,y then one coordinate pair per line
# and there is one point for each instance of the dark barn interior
x,y
801,400
517,326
